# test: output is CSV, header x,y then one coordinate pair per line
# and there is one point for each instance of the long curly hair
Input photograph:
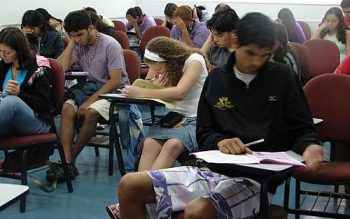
x,y
175,54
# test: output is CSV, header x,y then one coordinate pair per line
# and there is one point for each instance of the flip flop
x,y
113,211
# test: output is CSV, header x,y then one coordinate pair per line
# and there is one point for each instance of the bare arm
x,y
133,22
206,46
66,56
180,24
189,78
317,34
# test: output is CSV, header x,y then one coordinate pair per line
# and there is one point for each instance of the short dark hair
x,y
134,12
32,18
221,6
256,28
47,16
223,21
90,9
14,38
345,4
170,9
77,20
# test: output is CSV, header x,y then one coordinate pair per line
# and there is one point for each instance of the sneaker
x,y
113,211
56,172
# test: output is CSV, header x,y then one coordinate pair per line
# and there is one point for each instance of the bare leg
x,y
168,155
200,208
67,129
150,152
87,130
135,190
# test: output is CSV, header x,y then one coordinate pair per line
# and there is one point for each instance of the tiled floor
x,y
93,190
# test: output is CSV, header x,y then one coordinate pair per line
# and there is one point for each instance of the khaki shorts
x,y
101,106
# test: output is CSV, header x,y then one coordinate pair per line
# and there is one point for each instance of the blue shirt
x,y
19,78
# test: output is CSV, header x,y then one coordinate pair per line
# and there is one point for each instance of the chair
x,y
335,128
158,21
304,59
306,29
23,143
123,39
324,57
132,64
149,34
119,25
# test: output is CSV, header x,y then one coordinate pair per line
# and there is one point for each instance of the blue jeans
x,y
17,118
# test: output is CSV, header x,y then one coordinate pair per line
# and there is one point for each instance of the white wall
x,y
12,10
311,11
306,10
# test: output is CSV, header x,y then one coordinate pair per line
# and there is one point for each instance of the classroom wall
x,y
13,10
306,10
311,11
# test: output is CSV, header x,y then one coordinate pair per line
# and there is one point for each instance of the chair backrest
x,y
306,29
328,98
158,21
119,25
133,64
123,39
324,56
304,59
57,85
151,33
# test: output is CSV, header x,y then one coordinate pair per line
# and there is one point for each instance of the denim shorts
x,y
186,133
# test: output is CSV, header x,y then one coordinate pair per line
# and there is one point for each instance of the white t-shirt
x,y
188,105
246,78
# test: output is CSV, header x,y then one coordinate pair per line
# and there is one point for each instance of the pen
x,y
254,142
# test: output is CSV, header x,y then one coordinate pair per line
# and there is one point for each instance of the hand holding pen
x,y
236,146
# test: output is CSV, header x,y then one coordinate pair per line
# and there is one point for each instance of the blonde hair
x,y
175,54
184,12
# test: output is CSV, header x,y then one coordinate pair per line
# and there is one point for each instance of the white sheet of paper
x,y
215,156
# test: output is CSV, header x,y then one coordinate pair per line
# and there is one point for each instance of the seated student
x,y
248,100
200,13
105,20
181,70
345,6
284,53
138,21
25,85
221,6
43,38
222,41
101,27
25,95
55,23
334,29
295,32
101,56
169,14
188,29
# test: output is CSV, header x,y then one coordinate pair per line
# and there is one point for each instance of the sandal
x,y
113,211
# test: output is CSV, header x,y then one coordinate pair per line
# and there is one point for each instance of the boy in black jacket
x,y
248,100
